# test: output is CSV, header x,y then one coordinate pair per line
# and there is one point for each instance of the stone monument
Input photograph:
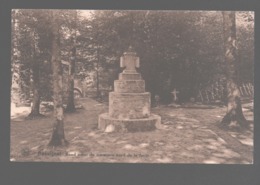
x,y
129,104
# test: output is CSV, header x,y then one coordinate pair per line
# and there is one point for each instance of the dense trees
x,y
31,49
180,50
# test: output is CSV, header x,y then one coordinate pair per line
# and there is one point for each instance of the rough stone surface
x,y
130,61
130,125
129,105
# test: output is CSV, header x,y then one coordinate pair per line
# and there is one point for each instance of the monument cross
x,y
129,107
130,61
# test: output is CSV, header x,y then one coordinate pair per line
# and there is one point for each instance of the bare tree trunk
x,y
35,112
234,117
35,70
58,136
70,102
97,75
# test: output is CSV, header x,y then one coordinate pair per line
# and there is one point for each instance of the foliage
x,y
177,49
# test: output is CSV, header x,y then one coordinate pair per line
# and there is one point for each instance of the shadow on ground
x,y
188,136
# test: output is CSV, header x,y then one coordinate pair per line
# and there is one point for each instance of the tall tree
x,y
97,37
58,136
234,117
35,73
15,69
72,60
21,59
29,50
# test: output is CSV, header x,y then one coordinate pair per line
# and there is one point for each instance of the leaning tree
x,y
234,117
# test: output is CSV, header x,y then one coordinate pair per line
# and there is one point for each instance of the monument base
x,y
108,124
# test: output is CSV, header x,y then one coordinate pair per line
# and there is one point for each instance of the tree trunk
x,y
35,70
234,117
70,102
15,66
58,136
35,112
97,75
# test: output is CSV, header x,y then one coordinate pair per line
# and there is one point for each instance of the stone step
x,y
108,124
129,86
130,76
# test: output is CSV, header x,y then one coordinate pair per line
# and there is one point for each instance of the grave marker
x,y
129,104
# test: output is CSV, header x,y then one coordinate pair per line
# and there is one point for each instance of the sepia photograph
x,y
132,86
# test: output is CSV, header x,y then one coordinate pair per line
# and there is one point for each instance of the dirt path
x,y
235,140
187,136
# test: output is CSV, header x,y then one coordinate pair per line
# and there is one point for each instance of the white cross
x,y
174,93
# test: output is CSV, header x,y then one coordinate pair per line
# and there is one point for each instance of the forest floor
x,y
189,135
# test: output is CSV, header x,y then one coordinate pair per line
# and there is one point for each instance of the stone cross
x,y
174,93
129,60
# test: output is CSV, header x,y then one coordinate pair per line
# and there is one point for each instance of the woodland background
x,y
180,50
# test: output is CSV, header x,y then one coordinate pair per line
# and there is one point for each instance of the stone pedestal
x,y
129,104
